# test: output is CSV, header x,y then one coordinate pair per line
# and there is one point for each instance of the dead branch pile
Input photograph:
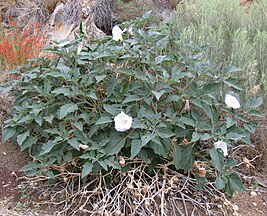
x,y
134,192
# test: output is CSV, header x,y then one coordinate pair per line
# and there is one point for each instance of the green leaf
x,y
219,182
111,109
66,109
131,98
49,118
29,142
22,137
64,91
79,126
158,94
183,157
8,133
104,120
234,136
211,87
195,136
138,124
217,159
236,183
29,167
115,144
112,162
254,102
187,121
103,164
74,143
100,78
92,94
206,136
147,138
229,121
231,82
47,147
135,147
165,133
256,113
87,168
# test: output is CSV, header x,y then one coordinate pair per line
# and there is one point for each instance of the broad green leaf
x,y
211,87
49,118
115,144
64,91
183,157
254,102
131,98
66,109
22,137
147,138
195,136
104,120
74,143
87,168
231,82
206,136
219,182
229,121
111,109
160,59
138,124
79,126
100,78
236,183
8,133
103,164
187,121
135,147
112,162
92,94
234,136
165,133
47,147
29,167
217,159
256,113
29,142
158,94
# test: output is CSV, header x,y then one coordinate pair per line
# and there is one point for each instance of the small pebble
x,y
253,193
255,204
4,153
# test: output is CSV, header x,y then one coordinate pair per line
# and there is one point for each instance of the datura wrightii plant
x,y
134,94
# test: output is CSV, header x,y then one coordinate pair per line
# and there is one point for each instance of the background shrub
x,y
64,108
236,35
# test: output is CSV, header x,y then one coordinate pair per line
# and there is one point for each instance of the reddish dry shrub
x,y
17,46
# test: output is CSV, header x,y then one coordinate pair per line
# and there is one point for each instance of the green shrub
x,y
65,108
236,35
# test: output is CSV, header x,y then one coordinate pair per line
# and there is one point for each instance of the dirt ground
x,y
251,203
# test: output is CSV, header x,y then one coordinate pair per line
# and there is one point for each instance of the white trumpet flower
x,y
231,101
221,145
123,122
117,33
